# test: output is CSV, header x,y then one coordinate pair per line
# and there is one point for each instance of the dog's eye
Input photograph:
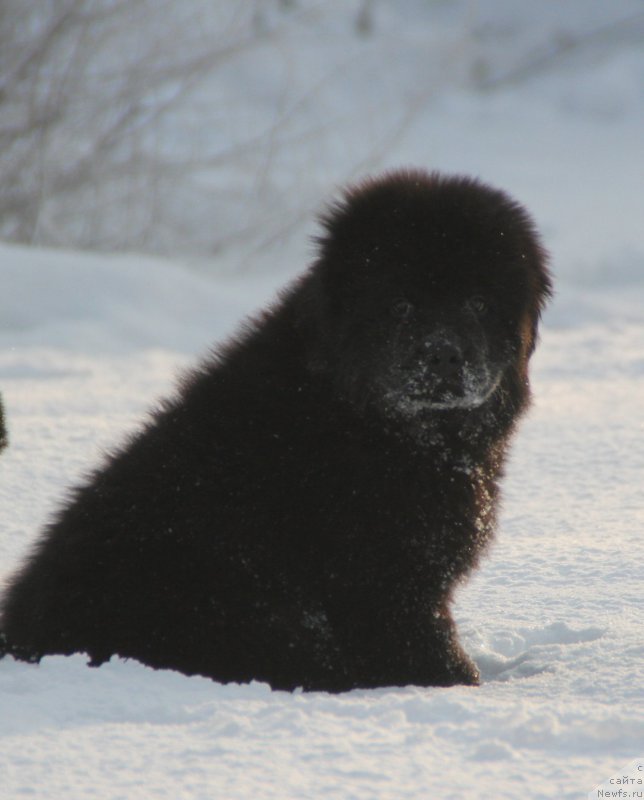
x,y
402,309
478,304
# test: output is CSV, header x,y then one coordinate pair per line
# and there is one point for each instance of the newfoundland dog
x,y
4,440
302,509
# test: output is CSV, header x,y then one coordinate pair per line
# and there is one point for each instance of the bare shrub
x,y
86,87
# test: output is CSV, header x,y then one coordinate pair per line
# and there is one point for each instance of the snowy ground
x,y
553,617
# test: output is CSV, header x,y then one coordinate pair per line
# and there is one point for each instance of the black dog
x,y
4,439
301,511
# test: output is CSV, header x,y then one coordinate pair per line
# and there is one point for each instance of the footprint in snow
x,y
527,651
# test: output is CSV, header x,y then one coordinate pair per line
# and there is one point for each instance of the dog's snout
x,y
445,359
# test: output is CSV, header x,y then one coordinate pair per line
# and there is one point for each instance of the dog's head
x,y
428,292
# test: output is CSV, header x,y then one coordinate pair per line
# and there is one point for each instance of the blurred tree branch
x,y
83,83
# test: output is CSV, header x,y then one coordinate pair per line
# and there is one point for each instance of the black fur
x,y
302,510
4,439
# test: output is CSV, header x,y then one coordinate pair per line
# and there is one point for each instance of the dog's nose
x,y
445,359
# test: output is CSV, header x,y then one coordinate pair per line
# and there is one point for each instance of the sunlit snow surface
x,y
553,617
